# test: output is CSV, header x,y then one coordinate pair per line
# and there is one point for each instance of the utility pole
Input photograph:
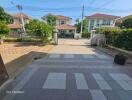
x,y
19,7
82,19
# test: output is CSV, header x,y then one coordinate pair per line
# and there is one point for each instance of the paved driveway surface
x,y
73,72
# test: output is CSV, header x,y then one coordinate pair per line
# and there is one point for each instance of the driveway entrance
x,y
73,71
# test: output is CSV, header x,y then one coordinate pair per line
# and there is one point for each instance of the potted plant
x,y
120,59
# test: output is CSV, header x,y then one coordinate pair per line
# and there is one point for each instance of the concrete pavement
x,y
73,72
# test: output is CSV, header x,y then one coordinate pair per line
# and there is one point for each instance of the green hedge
x,y
124,40
117,37
22,40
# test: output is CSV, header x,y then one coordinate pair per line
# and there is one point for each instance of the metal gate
x,y
3,72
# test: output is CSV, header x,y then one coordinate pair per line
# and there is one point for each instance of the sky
x,y
72,8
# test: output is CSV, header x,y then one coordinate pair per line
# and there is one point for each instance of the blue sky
x,y
71,8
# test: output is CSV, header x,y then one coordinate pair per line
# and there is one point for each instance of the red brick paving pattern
x,y
12,51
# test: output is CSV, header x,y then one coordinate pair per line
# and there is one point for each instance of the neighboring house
x,y
63,25
120,20
16,24
101,20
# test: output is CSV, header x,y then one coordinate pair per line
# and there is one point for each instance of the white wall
x,y
100,23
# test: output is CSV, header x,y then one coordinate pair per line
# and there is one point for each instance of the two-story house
x,y
63,25
101,20
16,24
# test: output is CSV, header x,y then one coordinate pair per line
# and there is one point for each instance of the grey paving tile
x,y
68,56
81,81
123,95
101,82
55,81
52,95
21,84
111,95
84,95
88,56
102,56
91,81
54,56
121,81
114,85
33,87
70,82
97,95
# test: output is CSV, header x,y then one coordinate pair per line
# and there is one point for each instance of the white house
x,y
63,25
101,20
16,23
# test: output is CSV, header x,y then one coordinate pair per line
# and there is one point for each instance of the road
x,y
73,71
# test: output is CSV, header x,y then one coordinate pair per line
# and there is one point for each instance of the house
x,y
101,20
16,24
120,20
63,25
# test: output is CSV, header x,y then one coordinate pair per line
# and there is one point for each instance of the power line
x,y
73,9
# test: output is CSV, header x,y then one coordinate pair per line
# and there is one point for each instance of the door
x,y
3,72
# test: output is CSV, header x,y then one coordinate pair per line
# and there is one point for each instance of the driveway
x,y
73,71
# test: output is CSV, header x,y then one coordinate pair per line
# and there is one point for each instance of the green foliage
x,y
124,40
127,23
117,37
38,28
85,26
51,19
4,30
110,34
86,34
22,40
4,16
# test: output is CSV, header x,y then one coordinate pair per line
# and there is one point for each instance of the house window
x,y
106,22
62,22
70,31
97,23
20,21
62,31
92,24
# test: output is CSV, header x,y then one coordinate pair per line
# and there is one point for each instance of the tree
x,y
38,28
4,30
4,19
85,32
78,25
127,23
4,16
51,19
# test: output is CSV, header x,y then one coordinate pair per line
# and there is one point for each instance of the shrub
x,y
22,40
124,40
127,23
117,37
4,30
86,34
110,33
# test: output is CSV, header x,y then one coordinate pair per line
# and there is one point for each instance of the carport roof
x,y
65,26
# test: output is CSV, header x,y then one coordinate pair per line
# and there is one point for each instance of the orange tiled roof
x,y
102,16
68,27
19,15
14,26
62,17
